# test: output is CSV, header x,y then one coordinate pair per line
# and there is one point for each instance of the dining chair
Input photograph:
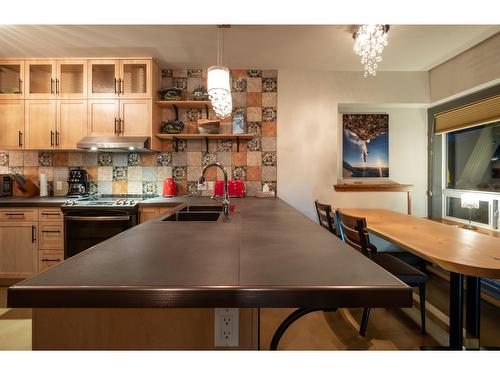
x,y
353,231
325,217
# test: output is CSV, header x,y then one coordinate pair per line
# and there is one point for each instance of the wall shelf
x,y
206,137
176,104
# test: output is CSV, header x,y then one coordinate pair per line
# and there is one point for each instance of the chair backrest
x,y
353,232
325,218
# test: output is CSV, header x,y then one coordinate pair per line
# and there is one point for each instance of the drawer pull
x,y
51,231
33,234
51,260
51,214
14,214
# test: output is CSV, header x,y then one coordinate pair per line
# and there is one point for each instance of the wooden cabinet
x,y
40,77
11,124
50,236
40,124
49,258
71,123
148,213
71,79
11,79
135,117
18,249
18,214
50,214
103,117
119,78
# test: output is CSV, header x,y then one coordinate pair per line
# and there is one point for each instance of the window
x,y
473,158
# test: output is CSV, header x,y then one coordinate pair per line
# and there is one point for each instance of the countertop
x,y
267,255
6,202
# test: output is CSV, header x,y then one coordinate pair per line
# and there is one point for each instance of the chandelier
x,y
219,81
369,42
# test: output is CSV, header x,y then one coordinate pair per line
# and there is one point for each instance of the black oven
x,y
86,228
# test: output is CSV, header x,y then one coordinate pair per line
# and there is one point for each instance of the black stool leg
x,y
456,311
364,322
473,305
421,292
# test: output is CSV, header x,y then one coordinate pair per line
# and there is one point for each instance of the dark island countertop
x,y
267,255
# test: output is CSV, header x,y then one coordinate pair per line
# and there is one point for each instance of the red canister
x,y
169,189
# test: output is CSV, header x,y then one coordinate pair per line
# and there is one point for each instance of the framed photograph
x,y
365,145
239,124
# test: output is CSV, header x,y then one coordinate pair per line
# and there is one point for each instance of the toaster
x,y
6,185
236,188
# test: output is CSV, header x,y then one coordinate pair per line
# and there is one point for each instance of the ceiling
x,y
411,48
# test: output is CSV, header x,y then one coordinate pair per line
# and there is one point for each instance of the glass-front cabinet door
x,y
40,79
71,81
103,78
11,79
135,78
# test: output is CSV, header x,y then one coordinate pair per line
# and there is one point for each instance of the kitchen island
x,y
156,285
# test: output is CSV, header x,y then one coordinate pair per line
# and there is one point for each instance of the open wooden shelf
x,y
206,137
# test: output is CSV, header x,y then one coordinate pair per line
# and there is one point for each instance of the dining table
x,y
466,254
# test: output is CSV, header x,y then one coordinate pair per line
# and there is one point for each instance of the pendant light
x,y
219,81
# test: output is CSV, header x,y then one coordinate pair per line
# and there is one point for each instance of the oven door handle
x,y
97,218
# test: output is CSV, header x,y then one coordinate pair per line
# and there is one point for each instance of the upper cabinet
x,y
40,79
11,79
119,78
71,80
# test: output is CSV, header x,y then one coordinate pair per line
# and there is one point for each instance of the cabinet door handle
x,y
14,214
116,125
20,86
51,260
33,234
120,126
51,86
51,214
51,139
57,138
20,138
116,89
51,231
57,86
122,86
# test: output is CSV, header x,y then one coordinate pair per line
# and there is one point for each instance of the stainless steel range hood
x,y
115,144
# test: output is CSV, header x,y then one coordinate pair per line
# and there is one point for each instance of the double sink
x,y
197,213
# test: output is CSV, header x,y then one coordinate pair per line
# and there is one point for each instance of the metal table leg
x,y
297,314
456,311
472,305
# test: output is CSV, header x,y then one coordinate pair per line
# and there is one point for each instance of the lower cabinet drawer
x,y
50,214
50,236
49,258
19,214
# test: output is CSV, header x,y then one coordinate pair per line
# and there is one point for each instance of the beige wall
x,y
471,69
308,128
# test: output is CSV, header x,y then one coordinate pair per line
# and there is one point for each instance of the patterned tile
x,y
119,187
60,174
135,187
164,159
239,85
268,173
254,73
269,144
254,128
269,129
224,145
180,83
134,159
179,173
149,187
254,99
149,159
75,159
4,159
254,114
239,173
269,73
194,173
269,99
254,173
239,99
105,187
4,169
192,188
149,174
194,158
181,145
31,159
254,144
44,159
269,159
120,173
239,159
104,159
89,159
224,158
16,158
269,114
60,159
252,187
254,84
194,114
194,145
269,85
254,158
179,73
162,173
195,73
208,157
179,159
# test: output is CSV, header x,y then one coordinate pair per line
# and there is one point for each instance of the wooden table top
x,y
455,249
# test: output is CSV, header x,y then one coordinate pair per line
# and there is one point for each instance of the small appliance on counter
x,y
78,183
23,187
236,188
169,188
6,185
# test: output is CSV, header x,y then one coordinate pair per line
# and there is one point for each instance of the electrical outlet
x,y
227,327
59,185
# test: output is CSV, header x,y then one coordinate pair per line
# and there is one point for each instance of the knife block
x,y
28,190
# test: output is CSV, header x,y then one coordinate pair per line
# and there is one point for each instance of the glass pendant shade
x,y
219,90
369,42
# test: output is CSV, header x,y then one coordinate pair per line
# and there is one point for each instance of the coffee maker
x,y
78,183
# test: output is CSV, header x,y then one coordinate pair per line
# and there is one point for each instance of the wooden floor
x,y
388,329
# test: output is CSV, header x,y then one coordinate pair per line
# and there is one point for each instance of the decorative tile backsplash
x,y
254,96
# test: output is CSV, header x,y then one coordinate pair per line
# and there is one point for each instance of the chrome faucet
x,y
225,196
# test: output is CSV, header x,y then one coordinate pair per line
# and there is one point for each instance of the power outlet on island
x,y
227,327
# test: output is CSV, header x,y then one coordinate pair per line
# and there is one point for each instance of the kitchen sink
x,y
194,216
203,208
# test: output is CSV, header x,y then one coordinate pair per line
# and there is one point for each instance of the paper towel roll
x,y
43,185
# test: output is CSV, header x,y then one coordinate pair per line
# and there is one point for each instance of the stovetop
x,y
107,200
